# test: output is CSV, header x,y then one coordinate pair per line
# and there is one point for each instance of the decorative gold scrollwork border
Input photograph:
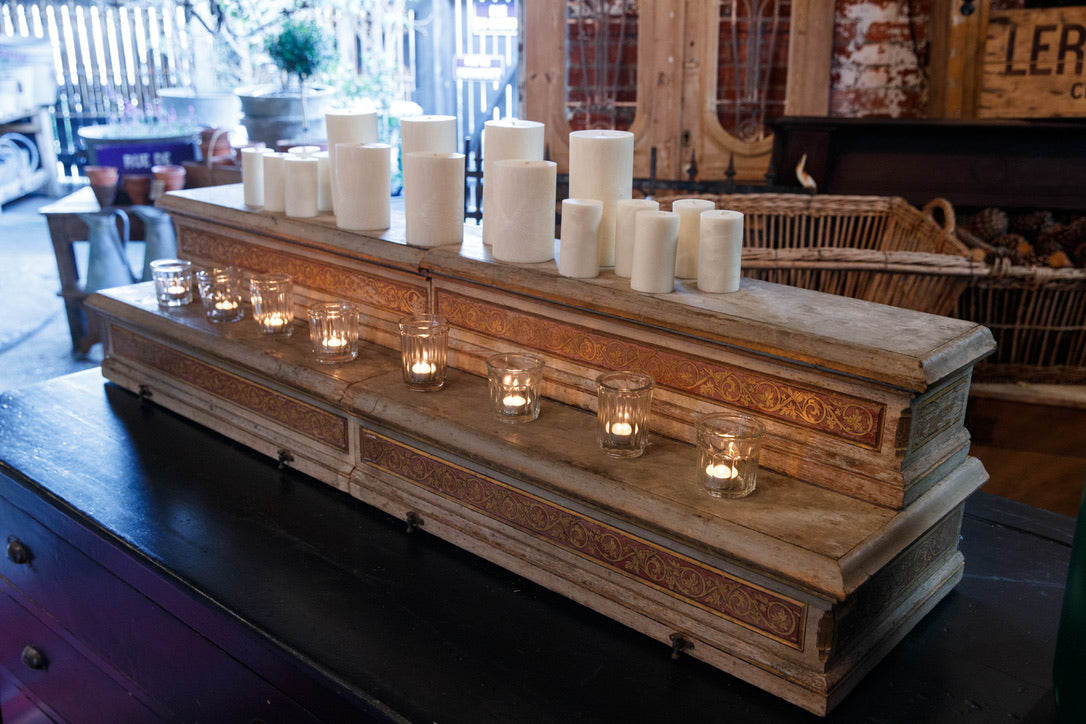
x,y
855,420
741,602
364,288
313,422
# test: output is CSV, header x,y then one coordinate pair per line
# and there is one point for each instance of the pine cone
x,y
1079,255
989,223
1031,225
1059,260
1009,241
1057,238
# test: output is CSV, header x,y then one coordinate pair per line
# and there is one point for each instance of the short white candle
x,y
722,471
324,181
626,211
686,251
578,251
655,236
226,305
434,198
721,251
428,133
363,184
335,342
177,290
274,321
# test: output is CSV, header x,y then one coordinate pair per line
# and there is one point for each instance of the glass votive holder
x,y
624,402
728,447
220,291
273,299
173,281
424,346
515,381
333,330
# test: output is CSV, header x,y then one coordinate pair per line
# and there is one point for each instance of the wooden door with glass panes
x,y
696,81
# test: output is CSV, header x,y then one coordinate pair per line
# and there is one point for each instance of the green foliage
x,y
300,49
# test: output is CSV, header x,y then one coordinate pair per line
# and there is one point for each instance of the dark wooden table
x,y
405,626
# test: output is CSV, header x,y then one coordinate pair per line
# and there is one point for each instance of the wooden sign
x,y
1034,64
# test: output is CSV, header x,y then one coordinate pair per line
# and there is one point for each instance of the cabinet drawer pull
x,y
34,658
18,552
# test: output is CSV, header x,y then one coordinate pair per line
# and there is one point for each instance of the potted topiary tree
x,y
299,50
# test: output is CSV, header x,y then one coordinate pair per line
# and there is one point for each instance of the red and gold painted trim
x,y
746,604
370,290
307,420
848,418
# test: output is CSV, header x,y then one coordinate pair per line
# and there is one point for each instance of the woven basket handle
x,y
950,219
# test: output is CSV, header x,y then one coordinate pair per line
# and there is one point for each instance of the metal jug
x,y
107,264
159,236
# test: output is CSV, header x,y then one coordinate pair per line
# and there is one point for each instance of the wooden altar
x,y
851,538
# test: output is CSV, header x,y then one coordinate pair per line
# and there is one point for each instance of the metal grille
x,y
601,67
753,65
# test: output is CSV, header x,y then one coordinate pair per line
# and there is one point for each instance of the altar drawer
x,y
71,685
191,678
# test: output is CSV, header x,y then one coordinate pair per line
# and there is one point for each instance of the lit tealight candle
x,y
722,471
423,368
621,429
335,343
226,305
176,290
514,403
274,321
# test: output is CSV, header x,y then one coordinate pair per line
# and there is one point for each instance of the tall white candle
x,y
324,181
434,198
686,253
303,150
364,180
578,251
656,235
509,139
626,211
721,251
252,175
601,167
520,211
348,126
300,186
275,198
428,133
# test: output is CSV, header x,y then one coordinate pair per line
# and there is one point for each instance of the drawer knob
x,y
34,658
18,553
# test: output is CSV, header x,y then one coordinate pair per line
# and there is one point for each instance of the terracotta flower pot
x,y
101,175
138,187
215,143
167,178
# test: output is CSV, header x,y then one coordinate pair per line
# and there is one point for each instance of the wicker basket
x,y
1038,318
877,248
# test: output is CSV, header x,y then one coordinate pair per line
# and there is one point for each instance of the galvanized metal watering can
x,y
159,236
107,264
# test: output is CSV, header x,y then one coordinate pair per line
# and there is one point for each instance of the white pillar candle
x,y
601,167
252,175
721,251
656,235
364,182
300,186
520,211
626,211
578,250
428,133
509,139
324,181
434,198
348,126
275,198
686,253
